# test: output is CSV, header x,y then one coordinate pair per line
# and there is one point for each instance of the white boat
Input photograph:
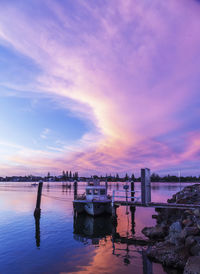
x,y
95,202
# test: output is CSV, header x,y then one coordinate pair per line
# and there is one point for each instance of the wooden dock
x,y
129,198
156,205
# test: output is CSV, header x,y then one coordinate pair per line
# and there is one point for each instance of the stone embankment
x,y
177,233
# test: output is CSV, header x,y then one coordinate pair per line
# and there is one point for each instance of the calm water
x,y
62,243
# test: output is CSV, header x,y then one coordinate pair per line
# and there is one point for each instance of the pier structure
x,y
131,198
145,186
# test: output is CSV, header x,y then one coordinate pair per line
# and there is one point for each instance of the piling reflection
x,y
37,231
132,210
147,264
90,230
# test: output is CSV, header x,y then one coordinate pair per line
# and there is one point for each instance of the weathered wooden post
x,y
145,186
106,185
38,202
75,189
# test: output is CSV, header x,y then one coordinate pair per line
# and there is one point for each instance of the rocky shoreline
x,y
177,233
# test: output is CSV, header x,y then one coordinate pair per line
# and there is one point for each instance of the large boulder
x,y
174,233
169,254
192,266
195,249
189,231
189,241
157,232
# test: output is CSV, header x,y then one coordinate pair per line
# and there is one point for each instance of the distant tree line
x,y
71,176
68,175
172,178
115,178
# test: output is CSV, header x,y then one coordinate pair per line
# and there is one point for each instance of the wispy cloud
x,y
131,67
45,133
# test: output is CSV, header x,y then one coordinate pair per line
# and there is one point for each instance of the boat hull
x,y
97,208
93,208
79,206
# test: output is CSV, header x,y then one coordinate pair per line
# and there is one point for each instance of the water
x,y
61,243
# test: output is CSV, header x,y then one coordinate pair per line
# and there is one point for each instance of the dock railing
x,y
129,196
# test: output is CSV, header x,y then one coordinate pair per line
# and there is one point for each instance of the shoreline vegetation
x,y
69,176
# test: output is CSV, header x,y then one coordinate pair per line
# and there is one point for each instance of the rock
x,y
189,241
198,223
174,233
197,212
187,222
171,270
192,266
183,234
195,250
193,230
197,239
175,227
181,229
187,231
169,254
157,232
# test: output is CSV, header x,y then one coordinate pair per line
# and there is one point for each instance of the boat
x,y
34,184
94,202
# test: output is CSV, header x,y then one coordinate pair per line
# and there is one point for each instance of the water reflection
x,y
88,228
100,246
37,231
132,210
147,264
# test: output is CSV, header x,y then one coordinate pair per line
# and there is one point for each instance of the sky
x,y
104,86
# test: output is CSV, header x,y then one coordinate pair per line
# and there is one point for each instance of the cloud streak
x,y
131,66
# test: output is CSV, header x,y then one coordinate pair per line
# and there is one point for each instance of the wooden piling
x,y
145,186
106,184
38,202
75,189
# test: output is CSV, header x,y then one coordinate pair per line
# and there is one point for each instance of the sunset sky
x,y
99,86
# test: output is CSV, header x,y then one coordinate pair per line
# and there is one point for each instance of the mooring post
x,y
132,191
145,186
38,202
75,189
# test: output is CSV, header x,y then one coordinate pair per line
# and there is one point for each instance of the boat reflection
x,y
89,229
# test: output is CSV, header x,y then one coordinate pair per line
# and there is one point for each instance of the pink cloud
x,y
136,69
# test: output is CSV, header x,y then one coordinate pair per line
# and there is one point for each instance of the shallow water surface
x,y
63,243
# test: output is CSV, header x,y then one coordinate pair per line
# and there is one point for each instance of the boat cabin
x,y
96,192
